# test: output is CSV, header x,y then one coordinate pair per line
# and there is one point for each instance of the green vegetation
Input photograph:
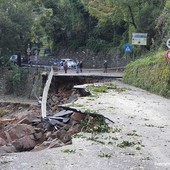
x,y
69,151
95,125
75,105
150,73
132,134
96,140
90,111
99,27
116,130
138,148
4,162
104,155
97,89
17,80
125,144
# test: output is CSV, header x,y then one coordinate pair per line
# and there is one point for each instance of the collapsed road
x,y
30,131
139,138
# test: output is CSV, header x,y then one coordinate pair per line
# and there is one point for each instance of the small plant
x,y
146,158
116,130
95,125
75,105
125,144
114,138
78,136
110,143
104,155
90,111
95,89
69,151
96,140
149,125
4,162
138,148
132,134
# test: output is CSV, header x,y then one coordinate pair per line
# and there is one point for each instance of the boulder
x,y
20,131
25,143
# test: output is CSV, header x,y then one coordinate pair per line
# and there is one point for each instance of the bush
x,y
17,80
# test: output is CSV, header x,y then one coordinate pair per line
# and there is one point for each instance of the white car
x,y
71,63
14,57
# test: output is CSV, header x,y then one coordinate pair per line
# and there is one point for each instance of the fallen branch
x,y
7,120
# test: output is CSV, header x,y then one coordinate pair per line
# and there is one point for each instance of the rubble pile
x,y
32,133
23,129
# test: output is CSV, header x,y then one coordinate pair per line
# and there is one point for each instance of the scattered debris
x,y
32,133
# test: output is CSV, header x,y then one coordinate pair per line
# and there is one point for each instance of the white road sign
x,y
139,38
168,43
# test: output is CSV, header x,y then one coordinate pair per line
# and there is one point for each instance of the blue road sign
x,y
128,48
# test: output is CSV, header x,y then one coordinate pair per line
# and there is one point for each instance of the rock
x,y
25,143
38,136
2,142
74,129
48,134
56,143
42,146
78,117
62,135
20,131
9,148
25,121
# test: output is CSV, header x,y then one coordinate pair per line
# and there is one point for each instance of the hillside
x,y
151,73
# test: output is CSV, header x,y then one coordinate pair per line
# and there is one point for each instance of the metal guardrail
x,y
45,94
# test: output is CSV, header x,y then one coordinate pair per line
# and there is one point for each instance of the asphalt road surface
x,y
140,139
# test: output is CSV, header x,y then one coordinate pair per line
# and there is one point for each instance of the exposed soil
x,y
139,140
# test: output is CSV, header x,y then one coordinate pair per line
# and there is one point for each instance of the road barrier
x,y
45,94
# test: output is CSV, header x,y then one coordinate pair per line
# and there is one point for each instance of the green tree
x,y
15,25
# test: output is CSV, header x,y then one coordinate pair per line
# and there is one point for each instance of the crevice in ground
x,y
23,129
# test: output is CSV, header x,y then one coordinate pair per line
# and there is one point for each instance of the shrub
x,y
17,80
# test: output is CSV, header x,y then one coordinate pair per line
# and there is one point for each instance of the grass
x,y
151,73
96,89
75,105
4,162
132,134
95,125
69,151
116,130
96,140
125,144
104,155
